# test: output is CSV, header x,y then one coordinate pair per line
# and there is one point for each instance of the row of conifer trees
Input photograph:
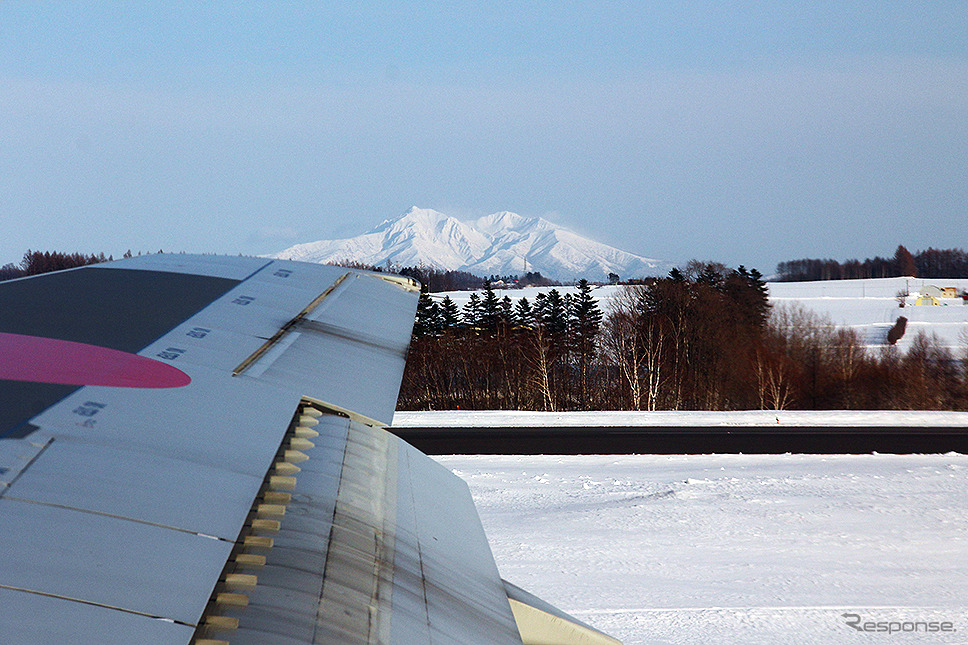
x,y
703,338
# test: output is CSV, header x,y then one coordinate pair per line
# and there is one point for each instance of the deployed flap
x,y
378,544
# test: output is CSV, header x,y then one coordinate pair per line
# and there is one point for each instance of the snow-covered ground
x,y
869,306
735,548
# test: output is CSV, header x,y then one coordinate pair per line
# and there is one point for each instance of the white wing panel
x,y
141,486
33,618
462,586
16,455
108,561
217,421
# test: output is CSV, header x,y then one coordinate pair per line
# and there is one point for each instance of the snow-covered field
x,y
735,548
869,306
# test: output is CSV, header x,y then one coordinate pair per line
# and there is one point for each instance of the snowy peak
x,y
506,221
503,243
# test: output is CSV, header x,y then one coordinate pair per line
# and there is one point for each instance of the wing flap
x,y
367,551
348,350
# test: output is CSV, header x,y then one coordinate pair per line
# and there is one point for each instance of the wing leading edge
x,y
257,499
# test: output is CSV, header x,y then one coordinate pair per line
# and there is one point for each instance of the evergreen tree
x,y
585,312
586,320
428,320
506,311
449,313
489,308
473,314
523,315
538,311
905,262
554,315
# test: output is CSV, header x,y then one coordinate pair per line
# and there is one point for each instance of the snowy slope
x,y
503,243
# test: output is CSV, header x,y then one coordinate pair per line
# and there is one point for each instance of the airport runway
x,y
662,440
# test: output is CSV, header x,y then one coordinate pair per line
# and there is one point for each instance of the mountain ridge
x,y
502,243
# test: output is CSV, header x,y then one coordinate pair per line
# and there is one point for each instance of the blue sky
x,y
745,134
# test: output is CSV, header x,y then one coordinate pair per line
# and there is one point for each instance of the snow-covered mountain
x,y
502,243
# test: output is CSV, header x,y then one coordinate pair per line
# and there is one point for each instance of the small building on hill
x,y
930,295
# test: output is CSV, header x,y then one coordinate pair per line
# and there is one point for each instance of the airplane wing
x,y
191,451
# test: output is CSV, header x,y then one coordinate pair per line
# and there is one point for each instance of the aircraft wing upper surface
x,y
190,453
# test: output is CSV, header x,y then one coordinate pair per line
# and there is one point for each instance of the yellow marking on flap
x,y
266,526
271,510
279,482
250,560
232,599
298,443
295,457
284,468
241,580
305,433
221,622
273,497
258,542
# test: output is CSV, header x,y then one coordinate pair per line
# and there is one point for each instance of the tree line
x,y
37,262
703,338
932,263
